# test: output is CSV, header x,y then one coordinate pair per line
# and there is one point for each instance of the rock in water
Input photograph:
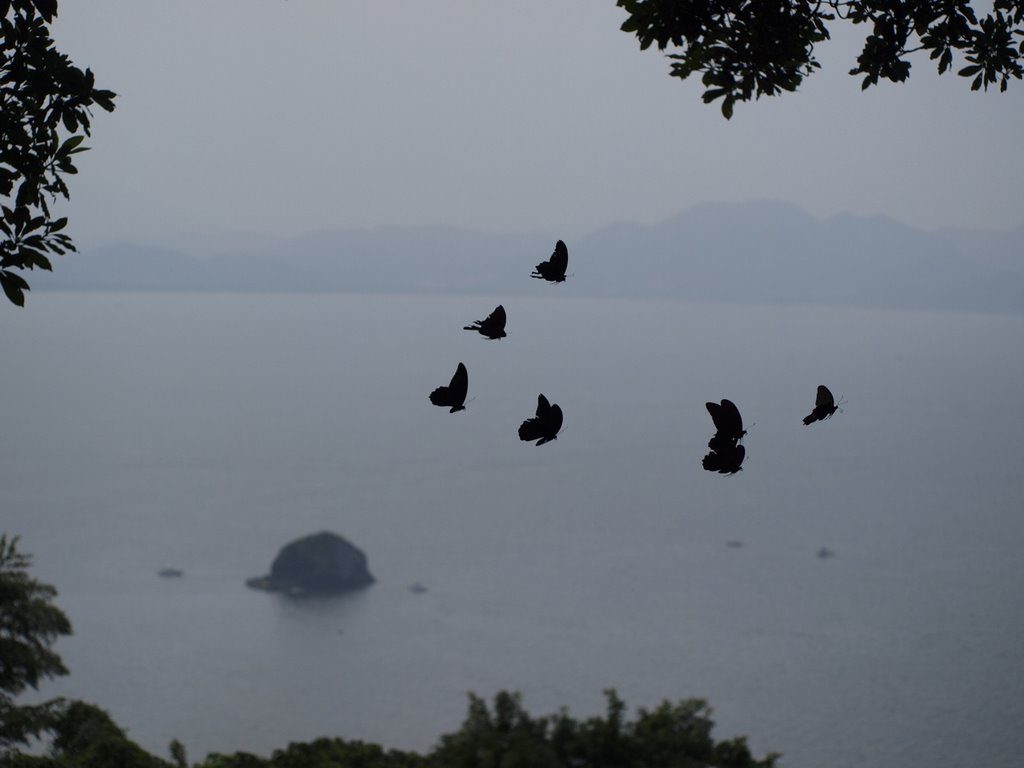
x,y
322,563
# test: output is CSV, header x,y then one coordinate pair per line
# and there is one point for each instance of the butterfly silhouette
x,y
553,270
726,454
545,425
824,406
727,419
454,395
493,326
726,461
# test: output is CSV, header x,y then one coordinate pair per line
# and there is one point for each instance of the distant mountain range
x,y
752,252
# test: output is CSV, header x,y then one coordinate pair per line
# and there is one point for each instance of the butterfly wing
x,y
824,398
733,422
496,319
550,425
716,414
494,326
543,406
727,419
725,461
721,442
555,420
559,260
458,387
440,396
542,271
533,429
530,430
732,460
710,462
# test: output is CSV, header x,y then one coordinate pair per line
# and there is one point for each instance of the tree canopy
x,y
44,117
29,624
754,48
505,735
673,735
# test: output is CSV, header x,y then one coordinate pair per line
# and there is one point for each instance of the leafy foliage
x,y
505,735
84,736
754,48
43,98
671,736
29,624
321,753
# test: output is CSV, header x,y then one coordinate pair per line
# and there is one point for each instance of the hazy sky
x,y
284,116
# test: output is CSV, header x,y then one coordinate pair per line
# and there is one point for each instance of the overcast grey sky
x,y
285,116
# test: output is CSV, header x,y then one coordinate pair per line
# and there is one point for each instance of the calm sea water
x,y
205,431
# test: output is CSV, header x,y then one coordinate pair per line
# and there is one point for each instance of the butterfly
x,y
726,454
726,461
824,406
545,425
454,395
727,419
553,270
493,326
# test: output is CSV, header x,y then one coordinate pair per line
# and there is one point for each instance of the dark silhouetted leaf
x,y
14,287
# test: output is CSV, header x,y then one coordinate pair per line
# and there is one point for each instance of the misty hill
x,y
436,260
752,252
776,253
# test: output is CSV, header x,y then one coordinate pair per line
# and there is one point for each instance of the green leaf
x,y
945,60
70,120
32,258
14,287
69,146
28,193
105,99
17,280
973,69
